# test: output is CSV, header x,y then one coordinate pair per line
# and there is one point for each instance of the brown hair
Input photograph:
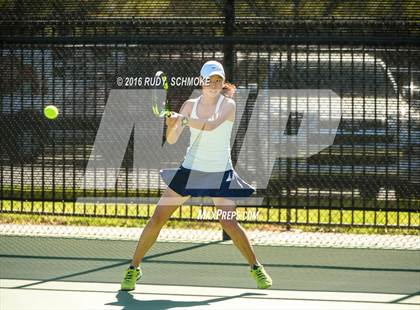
x,y
229,90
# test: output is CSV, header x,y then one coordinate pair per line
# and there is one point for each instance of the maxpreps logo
x,y
264,137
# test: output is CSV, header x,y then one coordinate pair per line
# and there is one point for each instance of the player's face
x,y
213,86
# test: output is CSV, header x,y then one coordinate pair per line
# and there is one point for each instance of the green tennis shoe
x,y
261,277
130,278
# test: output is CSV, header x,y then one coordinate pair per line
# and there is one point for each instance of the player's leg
x,y
235,231
167,204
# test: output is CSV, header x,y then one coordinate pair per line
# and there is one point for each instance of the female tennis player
x,y
205,172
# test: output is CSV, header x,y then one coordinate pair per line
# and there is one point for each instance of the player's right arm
x,y
174,126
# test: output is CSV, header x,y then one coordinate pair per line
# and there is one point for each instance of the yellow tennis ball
x,y
51,112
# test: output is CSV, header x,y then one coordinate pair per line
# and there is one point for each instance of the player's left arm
x,y
227,113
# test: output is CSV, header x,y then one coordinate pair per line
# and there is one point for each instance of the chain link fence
x,y
72,55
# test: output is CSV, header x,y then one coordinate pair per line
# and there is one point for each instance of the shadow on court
x,y
209,265
128,301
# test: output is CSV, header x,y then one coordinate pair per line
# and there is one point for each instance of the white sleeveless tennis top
x,y
209,150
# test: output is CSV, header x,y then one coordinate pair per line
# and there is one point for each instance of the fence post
x,y
228,50
292,76
229,29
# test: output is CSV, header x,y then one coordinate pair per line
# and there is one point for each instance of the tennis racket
x,y
162,108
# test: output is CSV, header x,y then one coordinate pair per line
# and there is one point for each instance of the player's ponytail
x,y
228,90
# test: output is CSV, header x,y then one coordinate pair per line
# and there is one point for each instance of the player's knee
x,y
229,224
158,220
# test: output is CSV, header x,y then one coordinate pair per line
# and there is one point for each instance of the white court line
x,y
84,295
411,300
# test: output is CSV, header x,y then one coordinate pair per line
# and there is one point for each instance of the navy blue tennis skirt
x,y
187,182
